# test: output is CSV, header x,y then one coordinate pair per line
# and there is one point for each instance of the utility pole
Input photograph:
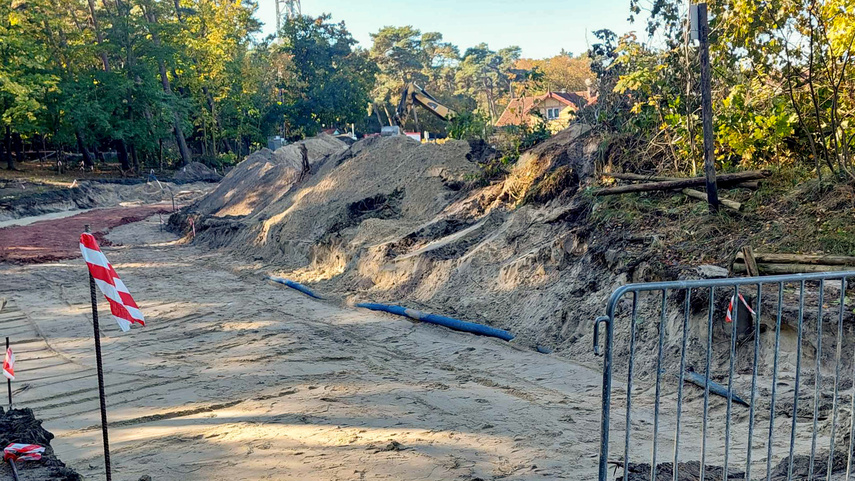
x,y
293,9
706,105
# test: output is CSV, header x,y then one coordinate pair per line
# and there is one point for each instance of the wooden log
x,y
769,258
683,183
750,261
771,269
696,194
642,177
752,184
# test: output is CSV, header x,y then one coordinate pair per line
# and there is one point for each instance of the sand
x,y
235,378
264,177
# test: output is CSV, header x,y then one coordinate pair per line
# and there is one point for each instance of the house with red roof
x,y
553,107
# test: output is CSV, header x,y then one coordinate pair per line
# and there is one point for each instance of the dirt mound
x,y
558,165
96,193
21,426
196,172
265,177
379,188
390,219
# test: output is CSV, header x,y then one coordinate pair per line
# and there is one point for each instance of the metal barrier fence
x,y
676,326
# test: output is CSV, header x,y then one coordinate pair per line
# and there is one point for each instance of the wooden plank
x,y
770,258
770,269
696,194
706,108
750,261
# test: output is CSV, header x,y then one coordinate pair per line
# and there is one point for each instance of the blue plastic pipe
x,y
295,285
715,387
448,322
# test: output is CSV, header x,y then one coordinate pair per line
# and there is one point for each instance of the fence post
x,y
101,396
706,107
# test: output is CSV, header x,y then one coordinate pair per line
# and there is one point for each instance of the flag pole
x,y
100,371
9,381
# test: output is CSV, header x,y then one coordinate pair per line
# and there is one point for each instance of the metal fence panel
x,y
739,436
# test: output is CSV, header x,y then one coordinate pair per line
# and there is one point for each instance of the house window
x,y
552,114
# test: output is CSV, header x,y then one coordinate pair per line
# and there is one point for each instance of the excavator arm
x,y
415,95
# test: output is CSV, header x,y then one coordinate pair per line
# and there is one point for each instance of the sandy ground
x,y
235,378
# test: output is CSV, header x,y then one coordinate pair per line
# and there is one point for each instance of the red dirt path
x,y
52,240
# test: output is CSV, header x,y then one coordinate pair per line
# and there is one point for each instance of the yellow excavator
x,y
413,95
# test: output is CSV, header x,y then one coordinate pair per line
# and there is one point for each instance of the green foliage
x,y
781,88
469,126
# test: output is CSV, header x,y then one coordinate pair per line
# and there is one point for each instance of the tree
x,y
330,80
560,73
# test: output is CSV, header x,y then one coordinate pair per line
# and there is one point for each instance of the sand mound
x,y
264,177
395,182
196,172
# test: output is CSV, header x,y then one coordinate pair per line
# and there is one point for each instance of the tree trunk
x,y
122,154
136,160
379,119
18,146
769,258
88,162
98,37
183,150
771,269
7,144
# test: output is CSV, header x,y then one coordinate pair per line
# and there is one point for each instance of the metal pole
x,y
706,104
101,395
14,469
9,381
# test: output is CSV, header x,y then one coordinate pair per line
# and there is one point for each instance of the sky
x,y
540,27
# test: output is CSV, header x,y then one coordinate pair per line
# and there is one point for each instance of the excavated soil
x,y
392,220
264,177
28,199
21,426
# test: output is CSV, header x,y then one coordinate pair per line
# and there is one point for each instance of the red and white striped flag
x,y
125,311
9,365
23,452
729,316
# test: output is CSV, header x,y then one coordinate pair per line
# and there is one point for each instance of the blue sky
x,y
540,27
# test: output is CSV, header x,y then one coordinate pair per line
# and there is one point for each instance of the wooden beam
x,y
706,108
800,259
770,269
696,194
750,262
751,184
681,184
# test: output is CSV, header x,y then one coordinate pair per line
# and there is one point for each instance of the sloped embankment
x,y
264,177
389,219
